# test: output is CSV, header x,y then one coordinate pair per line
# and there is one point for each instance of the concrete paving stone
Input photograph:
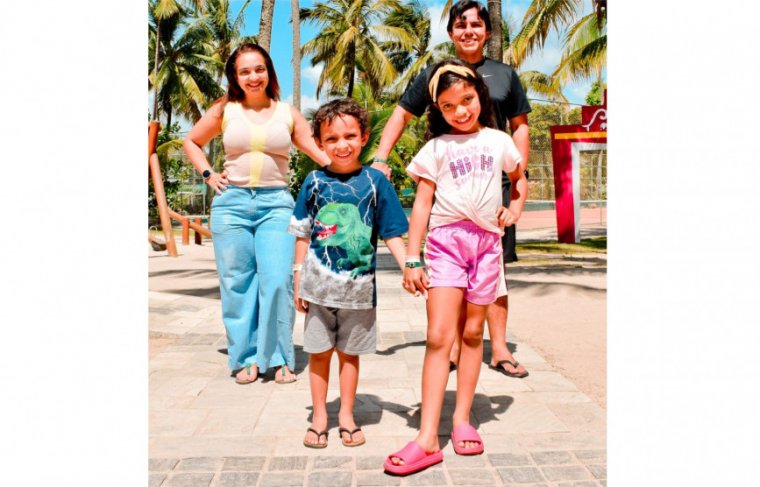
x,y
372,462
237,479
187,339
500,443
520,475
287,463
208,339
465,461
431,476
505,416
586,416
495,383
416,336
573,440
161,464
169,359
247,464
179,422
591,456
549,381
598,471
331,462
394,326
382,370
375,479
509,459
570,472
232,396
552,457
156,479
176,384
329,479
190,446
470,476
228,422
199,464
188,480
281,479
525,353
582,483
553,397
392,399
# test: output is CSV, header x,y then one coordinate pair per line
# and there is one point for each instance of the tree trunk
x,y
352,69
295,13
265,25
494,47
169,119
155,71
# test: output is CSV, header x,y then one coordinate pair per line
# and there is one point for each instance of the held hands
x,y
506,217
415,281
218,181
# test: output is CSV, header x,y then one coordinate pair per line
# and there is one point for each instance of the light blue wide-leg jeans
x,y
254,258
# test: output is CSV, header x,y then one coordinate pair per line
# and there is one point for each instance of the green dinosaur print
x,y
339,225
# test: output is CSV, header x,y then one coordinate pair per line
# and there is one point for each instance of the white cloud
x,y
438,32
307,102
312,73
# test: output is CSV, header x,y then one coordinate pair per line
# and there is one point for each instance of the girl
x,y
459,191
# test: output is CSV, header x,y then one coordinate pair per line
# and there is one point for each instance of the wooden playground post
x,y
185,232
198,236
158,188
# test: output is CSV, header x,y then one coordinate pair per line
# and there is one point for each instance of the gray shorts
x,y
352,331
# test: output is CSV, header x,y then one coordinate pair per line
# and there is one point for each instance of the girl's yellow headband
x,y
463,71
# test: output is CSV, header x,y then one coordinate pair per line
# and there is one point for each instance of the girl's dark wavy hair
x,y
234,91
437,125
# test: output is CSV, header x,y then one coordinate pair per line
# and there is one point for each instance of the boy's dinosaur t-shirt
x,y
343,215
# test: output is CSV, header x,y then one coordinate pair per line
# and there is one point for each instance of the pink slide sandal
x,y
465,432
415,459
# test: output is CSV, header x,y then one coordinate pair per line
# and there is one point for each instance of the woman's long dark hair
x,y
437,125
234,91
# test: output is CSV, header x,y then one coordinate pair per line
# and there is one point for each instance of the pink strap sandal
x,y
414,458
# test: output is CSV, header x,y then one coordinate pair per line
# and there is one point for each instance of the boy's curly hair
x,y
338,108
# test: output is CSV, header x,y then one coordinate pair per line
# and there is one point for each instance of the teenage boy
x,y
341,211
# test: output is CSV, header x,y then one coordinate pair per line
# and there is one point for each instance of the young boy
x,y
340,212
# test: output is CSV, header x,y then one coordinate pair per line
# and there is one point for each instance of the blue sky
x,y
281,47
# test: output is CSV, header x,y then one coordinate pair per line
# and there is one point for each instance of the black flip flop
x,y
501,369
452,366
319,435
351,442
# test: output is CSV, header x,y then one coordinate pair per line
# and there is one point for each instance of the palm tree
x,y
413,18
585,49
161,10
296,21
265,24
224,31
181,81
495,42
350,40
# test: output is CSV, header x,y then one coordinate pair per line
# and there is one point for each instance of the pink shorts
x,y
464,255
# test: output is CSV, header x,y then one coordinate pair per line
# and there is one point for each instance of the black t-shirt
x,y
504,86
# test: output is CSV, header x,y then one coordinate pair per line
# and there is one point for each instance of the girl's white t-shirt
x,y
466,170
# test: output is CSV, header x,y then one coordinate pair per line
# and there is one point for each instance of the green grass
x,y
594,245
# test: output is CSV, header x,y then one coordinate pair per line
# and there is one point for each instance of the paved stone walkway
x,y
206,430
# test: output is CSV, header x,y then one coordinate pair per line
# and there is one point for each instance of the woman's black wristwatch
x,y
206,174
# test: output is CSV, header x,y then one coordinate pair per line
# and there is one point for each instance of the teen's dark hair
x,y
437,125
461,7
338,108
234,91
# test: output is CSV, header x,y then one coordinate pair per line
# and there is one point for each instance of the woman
x,y
251,211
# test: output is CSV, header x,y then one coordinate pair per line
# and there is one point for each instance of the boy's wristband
x,y
413,264
379,159
297,267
